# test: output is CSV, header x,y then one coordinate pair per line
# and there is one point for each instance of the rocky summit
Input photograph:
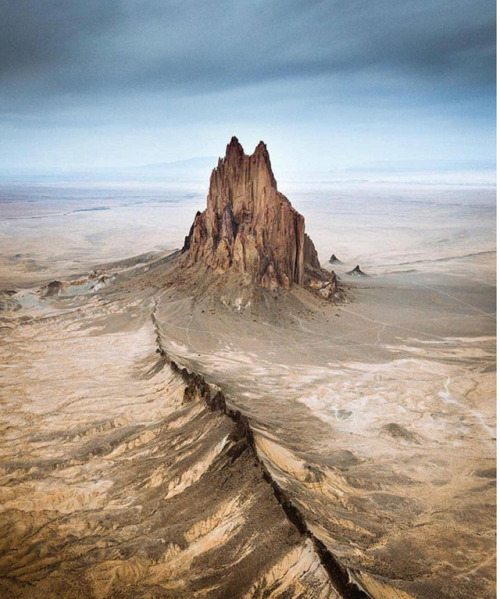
x,y
250,227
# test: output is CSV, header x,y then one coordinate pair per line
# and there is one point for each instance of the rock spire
x,y
250,227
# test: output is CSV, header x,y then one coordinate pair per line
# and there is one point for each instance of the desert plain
x,y
372,416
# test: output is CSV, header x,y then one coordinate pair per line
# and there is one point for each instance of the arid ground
x,y
373,418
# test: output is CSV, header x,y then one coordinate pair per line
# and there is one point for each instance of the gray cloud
x,y
131,81
38,34
94,48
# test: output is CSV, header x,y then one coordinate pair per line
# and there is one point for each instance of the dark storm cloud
x,y
38,34
66,51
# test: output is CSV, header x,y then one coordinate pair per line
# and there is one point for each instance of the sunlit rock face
x,y
250,227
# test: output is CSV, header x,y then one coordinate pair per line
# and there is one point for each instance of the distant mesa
x,y
357,272
250,228
334,260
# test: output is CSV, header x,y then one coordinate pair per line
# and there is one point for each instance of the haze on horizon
x,y
327,85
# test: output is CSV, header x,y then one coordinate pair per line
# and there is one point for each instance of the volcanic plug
x,y
250,227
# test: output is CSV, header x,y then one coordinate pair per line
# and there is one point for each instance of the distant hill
x,y
198,167
195,162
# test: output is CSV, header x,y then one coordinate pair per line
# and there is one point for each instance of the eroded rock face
x,y
250,227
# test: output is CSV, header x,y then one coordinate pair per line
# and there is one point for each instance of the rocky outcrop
x,y
357,272
242,440
53,288
250,227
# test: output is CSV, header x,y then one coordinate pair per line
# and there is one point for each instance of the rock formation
x,y
250,227
53,288
356,272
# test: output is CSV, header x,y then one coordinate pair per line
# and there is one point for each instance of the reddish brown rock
x,y
250,227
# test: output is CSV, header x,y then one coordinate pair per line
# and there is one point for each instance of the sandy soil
x,y
376,416
112,483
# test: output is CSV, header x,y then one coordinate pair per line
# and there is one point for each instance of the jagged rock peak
x,y
250,227
236,160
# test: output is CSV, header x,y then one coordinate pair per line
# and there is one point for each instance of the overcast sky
x,y
326,84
